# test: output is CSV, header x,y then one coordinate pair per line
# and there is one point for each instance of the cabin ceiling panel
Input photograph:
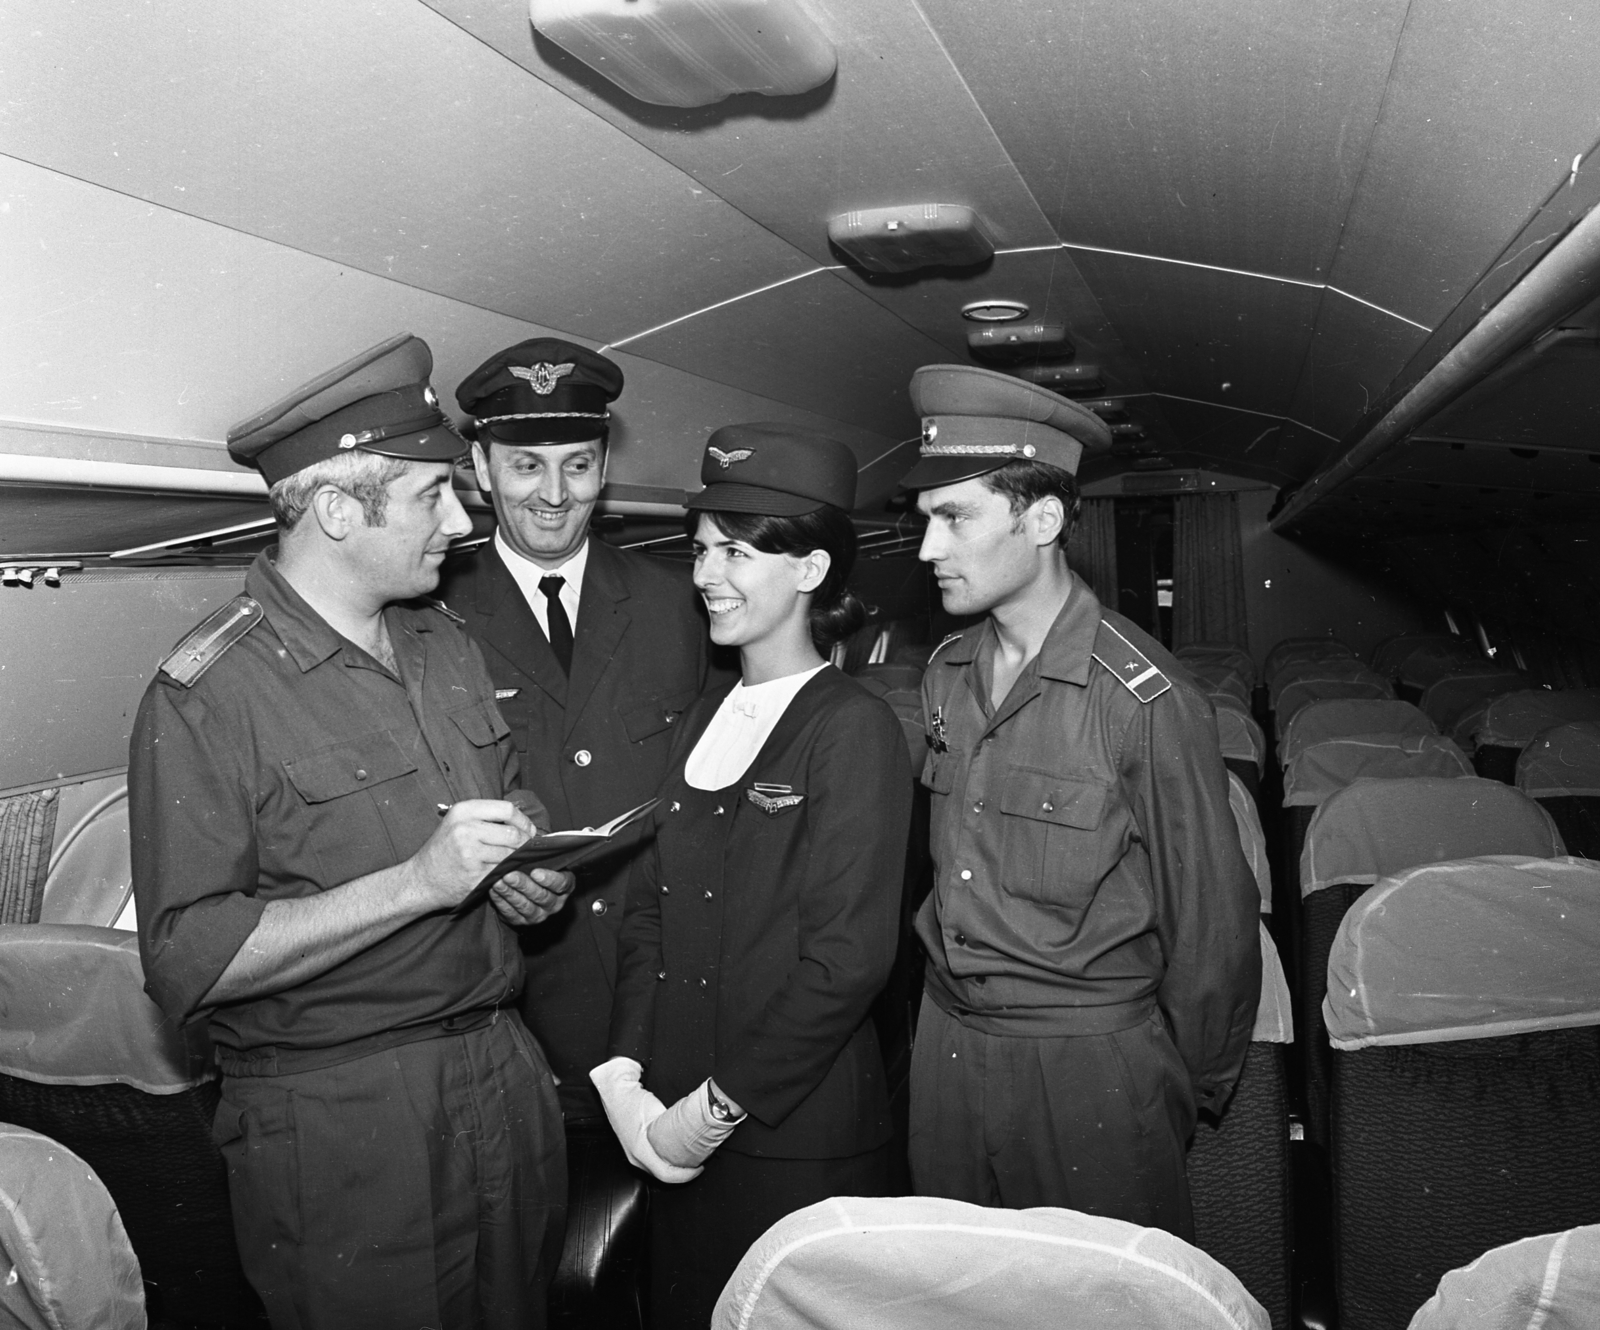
x,y
1245,443
1354,355
896,125
197,326
1487,107
1221,134
1216,336
383,137
817,340
1549,398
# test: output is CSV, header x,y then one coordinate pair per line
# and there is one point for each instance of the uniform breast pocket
x,y
656,717
1054,841
347,788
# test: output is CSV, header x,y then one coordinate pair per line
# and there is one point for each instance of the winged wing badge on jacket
x,y
542,377
772,799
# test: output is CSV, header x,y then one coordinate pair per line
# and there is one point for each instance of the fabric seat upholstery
x,y
1561,769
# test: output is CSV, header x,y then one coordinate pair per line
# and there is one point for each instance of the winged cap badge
x,y
728,459
543,376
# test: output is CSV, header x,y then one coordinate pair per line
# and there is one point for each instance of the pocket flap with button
x,y
346,768
482,723
653,717
939,770
1066,801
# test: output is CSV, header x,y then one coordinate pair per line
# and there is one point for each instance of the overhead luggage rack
x,y
1464,1011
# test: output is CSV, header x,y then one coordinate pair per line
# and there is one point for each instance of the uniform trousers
x,y
420,1186
701,1230
1096,1123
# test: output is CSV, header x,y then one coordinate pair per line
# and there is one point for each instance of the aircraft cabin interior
x,y
1330,274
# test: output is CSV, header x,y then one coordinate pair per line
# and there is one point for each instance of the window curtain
x,y
1207,571
27,830
1092,549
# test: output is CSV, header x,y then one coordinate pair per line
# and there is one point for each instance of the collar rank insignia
x,y
941,740
505,694
728,459
542,377
772,799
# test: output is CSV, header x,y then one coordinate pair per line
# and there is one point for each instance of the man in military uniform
x,y
317,784
1093,964
594,652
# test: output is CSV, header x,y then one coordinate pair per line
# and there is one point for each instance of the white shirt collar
x,y
743,723
526,573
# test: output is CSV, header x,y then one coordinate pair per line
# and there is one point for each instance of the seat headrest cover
x,y
1446,698
1321,769
1552,1280
1470,949
1389,653
76,1013
1219,678
1304,691
927,1263
1377,828
1222,652
69,1259
1237,732
1303,648
1339,717
1432,660
1513,719
1274,1020
1342,667
1562,762
1251,839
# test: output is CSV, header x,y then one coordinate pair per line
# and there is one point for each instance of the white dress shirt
x,y
743,722
527,573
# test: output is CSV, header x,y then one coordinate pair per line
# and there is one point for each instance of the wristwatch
x,y
721,1110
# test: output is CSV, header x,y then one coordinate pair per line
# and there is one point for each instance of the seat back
x,y
1225,653
1341,717
1302,692
62,1242
1434,659
1247,819
1387,656
1515,719
1463,1007
1449,695
1220,679
927,1263
1561,769
1342,667
1374,829
87,1059
1322,768
1303,648
1237,732
1551,1280
1238,1164
90,877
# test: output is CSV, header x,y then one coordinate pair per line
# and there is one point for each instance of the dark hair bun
x,y
837,621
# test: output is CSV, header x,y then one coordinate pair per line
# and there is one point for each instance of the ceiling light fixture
x,y
917,235
994,311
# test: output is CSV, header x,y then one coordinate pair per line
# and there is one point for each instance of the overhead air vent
x,y
1073,380
994,311
691,52
1109,409
1012,343
919,235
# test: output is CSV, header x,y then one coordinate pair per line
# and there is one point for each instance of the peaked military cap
x,y
541,391
976,420
379,402
777,470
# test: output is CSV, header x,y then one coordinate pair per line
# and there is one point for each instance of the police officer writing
x,y
1093,966
595,652
762,920
391,1131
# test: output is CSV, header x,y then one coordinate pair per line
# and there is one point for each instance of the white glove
x,y
687,1134
630,1109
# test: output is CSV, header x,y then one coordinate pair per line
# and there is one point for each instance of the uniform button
x,y
598,907
661,974
961,939
664,890
1048,806
978,807
582,757
966,875
669,716
675,806
708,895
702,983
719,810
361,774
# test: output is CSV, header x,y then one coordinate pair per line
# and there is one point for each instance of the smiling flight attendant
x,y
762,921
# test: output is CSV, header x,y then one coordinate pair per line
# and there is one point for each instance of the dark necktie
x,y
560,633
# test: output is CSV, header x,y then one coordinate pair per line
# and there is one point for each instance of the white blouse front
x,y
743,722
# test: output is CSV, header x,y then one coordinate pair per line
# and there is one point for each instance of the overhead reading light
x,y
994,311
1074,380
920,235
691,52
1010,343
1107,408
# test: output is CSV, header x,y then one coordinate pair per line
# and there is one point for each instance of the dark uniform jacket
x,y
1085,857
293,763
757,965
591,746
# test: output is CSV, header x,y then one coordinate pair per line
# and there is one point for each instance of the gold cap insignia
x,y
542,377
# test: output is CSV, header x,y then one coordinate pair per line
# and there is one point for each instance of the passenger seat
x,y
1561,769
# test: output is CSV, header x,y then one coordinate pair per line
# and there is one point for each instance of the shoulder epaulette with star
x,y
210,639
1131,666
